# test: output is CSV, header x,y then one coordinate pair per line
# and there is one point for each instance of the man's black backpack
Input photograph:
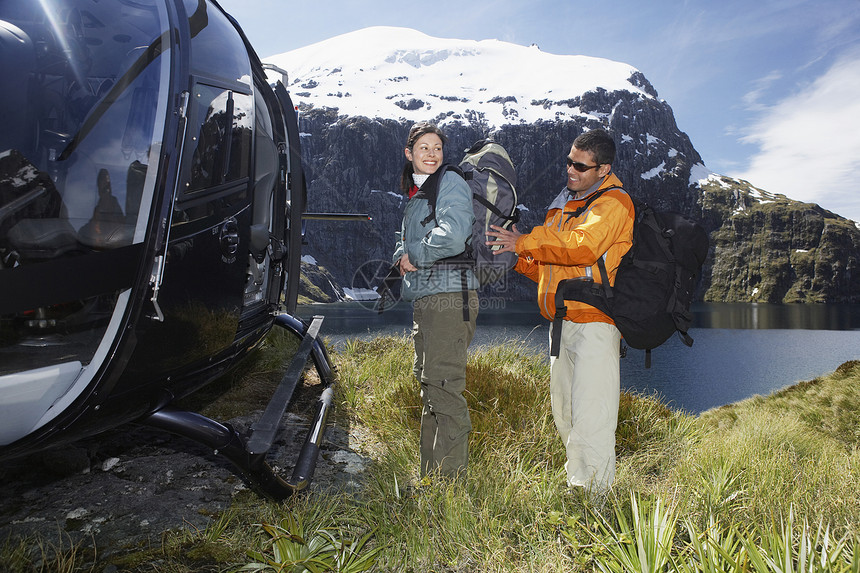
x,y
654,284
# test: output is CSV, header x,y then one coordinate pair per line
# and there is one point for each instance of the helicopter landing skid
x,y
249,457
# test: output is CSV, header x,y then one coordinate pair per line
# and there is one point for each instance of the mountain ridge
x,y
382,65
355,110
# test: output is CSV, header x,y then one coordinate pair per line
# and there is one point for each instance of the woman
x,y
441,332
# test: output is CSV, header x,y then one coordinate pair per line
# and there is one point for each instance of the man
x,y
585,377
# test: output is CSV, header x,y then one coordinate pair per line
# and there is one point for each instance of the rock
x,y
127,486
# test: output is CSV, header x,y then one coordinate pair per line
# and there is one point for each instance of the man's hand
x,y
506,239
404,265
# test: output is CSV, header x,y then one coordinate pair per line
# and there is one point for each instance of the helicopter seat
x,y
33,220
108,229
106,236
42,239
264,188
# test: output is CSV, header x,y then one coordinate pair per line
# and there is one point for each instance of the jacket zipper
x,y
551,267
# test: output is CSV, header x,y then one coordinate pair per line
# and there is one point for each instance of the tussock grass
x,y
767,484
753,463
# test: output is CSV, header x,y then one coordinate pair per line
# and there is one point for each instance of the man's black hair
x,y
599,144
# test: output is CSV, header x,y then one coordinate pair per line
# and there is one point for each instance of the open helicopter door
x,y
296,199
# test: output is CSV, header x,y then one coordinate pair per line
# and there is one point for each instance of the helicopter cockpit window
x,y
85,94
217,50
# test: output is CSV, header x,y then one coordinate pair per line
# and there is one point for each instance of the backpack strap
x,y
430,189
591,199
464,284
604,276
560,313
513,218
386,287
580,289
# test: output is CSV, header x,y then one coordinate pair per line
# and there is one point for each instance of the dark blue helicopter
x,y
151,203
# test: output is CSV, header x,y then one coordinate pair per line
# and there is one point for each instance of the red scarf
x,y
413,190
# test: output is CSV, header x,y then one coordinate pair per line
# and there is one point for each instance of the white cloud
x,y
753,98
809,143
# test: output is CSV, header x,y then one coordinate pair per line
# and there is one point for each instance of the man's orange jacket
x,y
568,247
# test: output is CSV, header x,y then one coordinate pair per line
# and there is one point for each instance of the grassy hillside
x,y
745,487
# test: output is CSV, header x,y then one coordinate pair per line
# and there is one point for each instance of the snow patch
x,y
77,513
360,294
109,464
399,196
700,175
652,173
384,67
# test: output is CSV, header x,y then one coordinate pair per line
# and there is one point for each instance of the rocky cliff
x,y
765,247
768,248
358,94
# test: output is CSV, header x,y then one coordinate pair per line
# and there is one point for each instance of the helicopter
x,y
152,200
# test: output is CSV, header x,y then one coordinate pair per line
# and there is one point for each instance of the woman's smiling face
x,y
426,154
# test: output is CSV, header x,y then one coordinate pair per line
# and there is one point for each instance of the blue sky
x,y
768,91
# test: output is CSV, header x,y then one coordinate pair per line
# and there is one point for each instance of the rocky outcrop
x,y
128,487
765,247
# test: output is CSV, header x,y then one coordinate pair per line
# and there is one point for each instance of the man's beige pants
x,y
441,338
585,384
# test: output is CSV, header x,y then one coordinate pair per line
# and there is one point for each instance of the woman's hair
x,y
415,133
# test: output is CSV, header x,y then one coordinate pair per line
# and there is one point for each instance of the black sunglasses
x,y
581,167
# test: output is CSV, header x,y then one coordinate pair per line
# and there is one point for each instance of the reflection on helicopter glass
x,y
85,93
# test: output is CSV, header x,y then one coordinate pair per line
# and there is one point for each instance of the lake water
x,y
740,350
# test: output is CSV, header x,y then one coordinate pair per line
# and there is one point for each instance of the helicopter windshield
x,y
85,93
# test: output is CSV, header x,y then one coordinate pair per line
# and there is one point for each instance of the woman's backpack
x,y
492,178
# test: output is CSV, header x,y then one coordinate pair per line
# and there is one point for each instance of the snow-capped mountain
x,y
358,94
403,74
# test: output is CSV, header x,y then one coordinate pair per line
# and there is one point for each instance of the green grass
x,y
767,484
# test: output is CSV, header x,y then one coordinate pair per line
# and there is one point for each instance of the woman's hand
x,y
404,265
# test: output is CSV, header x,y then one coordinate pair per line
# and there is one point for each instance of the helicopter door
x,y
262,290
296,198
202,292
